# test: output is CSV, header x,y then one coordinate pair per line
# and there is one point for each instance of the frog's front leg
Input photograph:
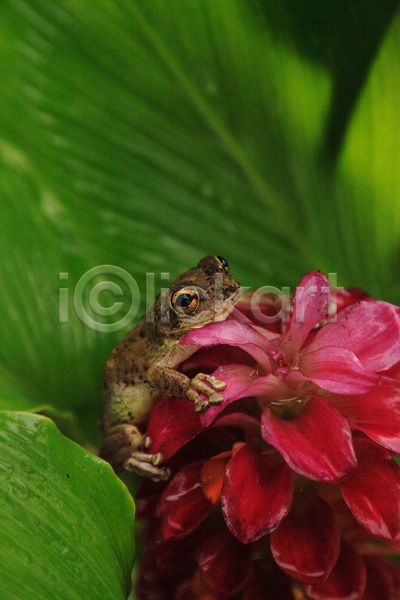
x,y
165,379
123,447
178,385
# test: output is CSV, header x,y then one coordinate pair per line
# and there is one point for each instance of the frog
x,y
143,366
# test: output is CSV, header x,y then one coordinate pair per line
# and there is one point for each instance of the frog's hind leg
x,y
123,449
146,465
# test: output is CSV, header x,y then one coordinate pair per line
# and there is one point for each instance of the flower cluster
x,y
288,489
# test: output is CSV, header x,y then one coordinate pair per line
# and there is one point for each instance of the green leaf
x,y
369,174
66,520
44,362
13,393
342,39
177,138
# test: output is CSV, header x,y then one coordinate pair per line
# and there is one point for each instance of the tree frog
x,y
142,366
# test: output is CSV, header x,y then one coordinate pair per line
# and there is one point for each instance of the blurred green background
x,y
146,134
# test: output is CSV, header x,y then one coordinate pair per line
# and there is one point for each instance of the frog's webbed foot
x,y
198,384
123,449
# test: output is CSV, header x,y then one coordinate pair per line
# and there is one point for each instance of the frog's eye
x,y
223,263
185,301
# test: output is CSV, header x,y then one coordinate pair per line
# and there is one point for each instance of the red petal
x,y
212,476
317,443
224,564
379,581
394,571
172,556
256,495
173,422
151,583
369,329
346,581
183,505
376,413
337,370
310,305
306,544
232,333
268,583
372,490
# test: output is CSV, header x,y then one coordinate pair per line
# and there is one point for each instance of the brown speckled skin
x,y
141,367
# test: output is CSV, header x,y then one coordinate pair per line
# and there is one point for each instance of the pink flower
x,y
299,449
316,388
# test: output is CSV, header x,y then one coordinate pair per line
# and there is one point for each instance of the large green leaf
x,y
340,37
369,174
43,361
66,520
178,127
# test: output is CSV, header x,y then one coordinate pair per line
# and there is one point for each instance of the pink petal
x,y
306,544
270,389
241,421
344,297
376,413
232,333
238,379
372,490
369,329
256,495
310,305
224,564
337,370
206,359
346,581
183,505
242,382
316,443
393,372
169,433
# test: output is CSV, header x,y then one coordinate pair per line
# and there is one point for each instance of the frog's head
x,y
199,296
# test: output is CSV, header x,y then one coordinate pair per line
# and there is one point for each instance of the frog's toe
x,y
201,406
122,441
216,384
145,467
215,399
146,442
156,459
198,383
